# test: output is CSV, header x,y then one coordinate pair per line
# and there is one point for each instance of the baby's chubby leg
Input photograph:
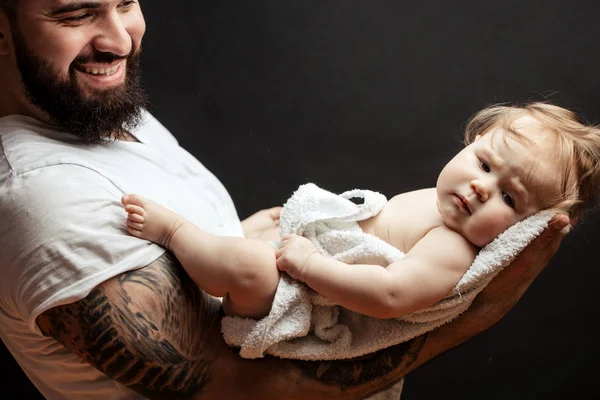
x,y
242,271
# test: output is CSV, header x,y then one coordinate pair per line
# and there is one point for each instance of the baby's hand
x,y
293,255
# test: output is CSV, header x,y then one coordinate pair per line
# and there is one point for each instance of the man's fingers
x,y
559,222
532,260
552,235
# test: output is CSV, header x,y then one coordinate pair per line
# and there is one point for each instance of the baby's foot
x,y
150,221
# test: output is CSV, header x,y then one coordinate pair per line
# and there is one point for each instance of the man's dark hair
x,y
10,9
11,4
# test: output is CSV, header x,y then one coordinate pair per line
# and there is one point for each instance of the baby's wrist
x,y
308,266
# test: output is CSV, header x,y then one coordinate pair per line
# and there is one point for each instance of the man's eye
x,y
508,199
485,166
128,3
76,18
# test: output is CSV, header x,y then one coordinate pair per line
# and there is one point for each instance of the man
x,y
89,311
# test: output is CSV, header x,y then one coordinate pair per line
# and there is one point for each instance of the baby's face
x,y
497,181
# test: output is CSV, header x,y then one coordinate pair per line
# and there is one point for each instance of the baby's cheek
x,y
487,229
480,235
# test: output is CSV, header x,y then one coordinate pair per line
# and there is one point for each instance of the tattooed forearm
x,y
355,372
148,329
154,331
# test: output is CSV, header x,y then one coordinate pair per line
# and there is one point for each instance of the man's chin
x,y
93,92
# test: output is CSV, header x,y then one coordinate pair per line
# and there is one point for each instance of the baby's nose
x,y
481,189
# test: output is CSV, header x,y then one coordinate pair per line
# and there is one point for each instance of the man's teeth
x,y
101,71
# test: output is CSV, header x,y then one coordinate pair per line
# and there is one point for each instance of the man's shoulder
x,y
47,197
28,144
151,129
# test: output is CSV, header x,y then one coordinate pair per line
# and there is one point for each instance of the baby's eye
x,y
508,199
485,166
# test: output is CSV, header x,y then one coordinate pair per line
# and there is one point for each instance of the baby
x,y
518,160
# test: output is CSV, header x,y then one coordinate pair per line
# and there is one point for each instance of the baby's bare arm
x,y
425,276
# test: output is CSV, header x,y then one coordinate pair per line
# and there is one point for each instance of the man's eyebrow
x,y
75,6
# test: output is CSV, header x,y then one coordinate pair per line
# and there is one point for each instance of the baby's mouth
x,y
464,204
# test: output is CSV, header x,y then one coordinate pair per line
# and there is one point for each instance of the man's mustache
x,y
100,58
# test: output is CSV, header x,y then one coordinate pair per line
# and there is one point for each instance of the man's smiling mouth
x,y
108,71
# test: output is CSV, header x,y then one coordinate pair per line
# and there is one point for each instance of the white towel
x,y
304,325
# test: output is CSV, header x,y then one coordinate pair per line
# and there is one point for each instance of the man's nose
x,y
481,188
113,36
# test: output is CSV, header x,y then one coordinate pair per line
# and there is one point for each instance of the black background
x,y
375,94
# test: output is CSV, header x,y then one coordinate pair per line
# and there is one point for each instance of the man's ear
x,y
5,35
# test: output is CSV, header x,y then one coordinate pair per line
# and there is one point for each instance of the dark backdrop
x,y
375,94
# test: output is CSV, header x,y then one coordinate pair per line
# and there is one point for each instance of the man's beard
x,y
107,115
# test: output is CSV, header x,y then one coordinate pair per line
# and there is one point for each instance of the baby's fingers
x,y
285,239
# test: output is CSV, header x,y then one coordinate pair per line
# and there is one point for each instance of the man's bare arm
x,y
150,329
153,330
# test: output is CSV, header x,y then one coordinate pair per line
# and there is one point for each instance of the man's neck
x,y
15,104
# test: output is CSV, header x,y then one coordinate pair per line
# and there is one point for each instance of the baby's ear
x,y
477,138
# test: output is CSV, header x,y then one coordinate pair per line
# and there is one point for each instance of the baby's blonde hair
x,y
577,148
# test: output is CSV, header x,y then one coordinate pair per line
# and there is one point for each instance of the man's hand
x,y
262,225
507,288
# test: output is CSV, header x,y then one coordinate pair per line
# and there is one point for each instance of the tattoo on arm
x,y
361,370
146,328
156,332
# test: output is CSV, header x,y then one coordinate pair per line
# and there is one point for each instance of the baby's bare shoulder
x,y
407,217
444,247
420,203
414,196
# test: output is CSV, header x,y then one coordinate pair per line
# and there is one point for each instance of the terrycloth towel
x,y
305,325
